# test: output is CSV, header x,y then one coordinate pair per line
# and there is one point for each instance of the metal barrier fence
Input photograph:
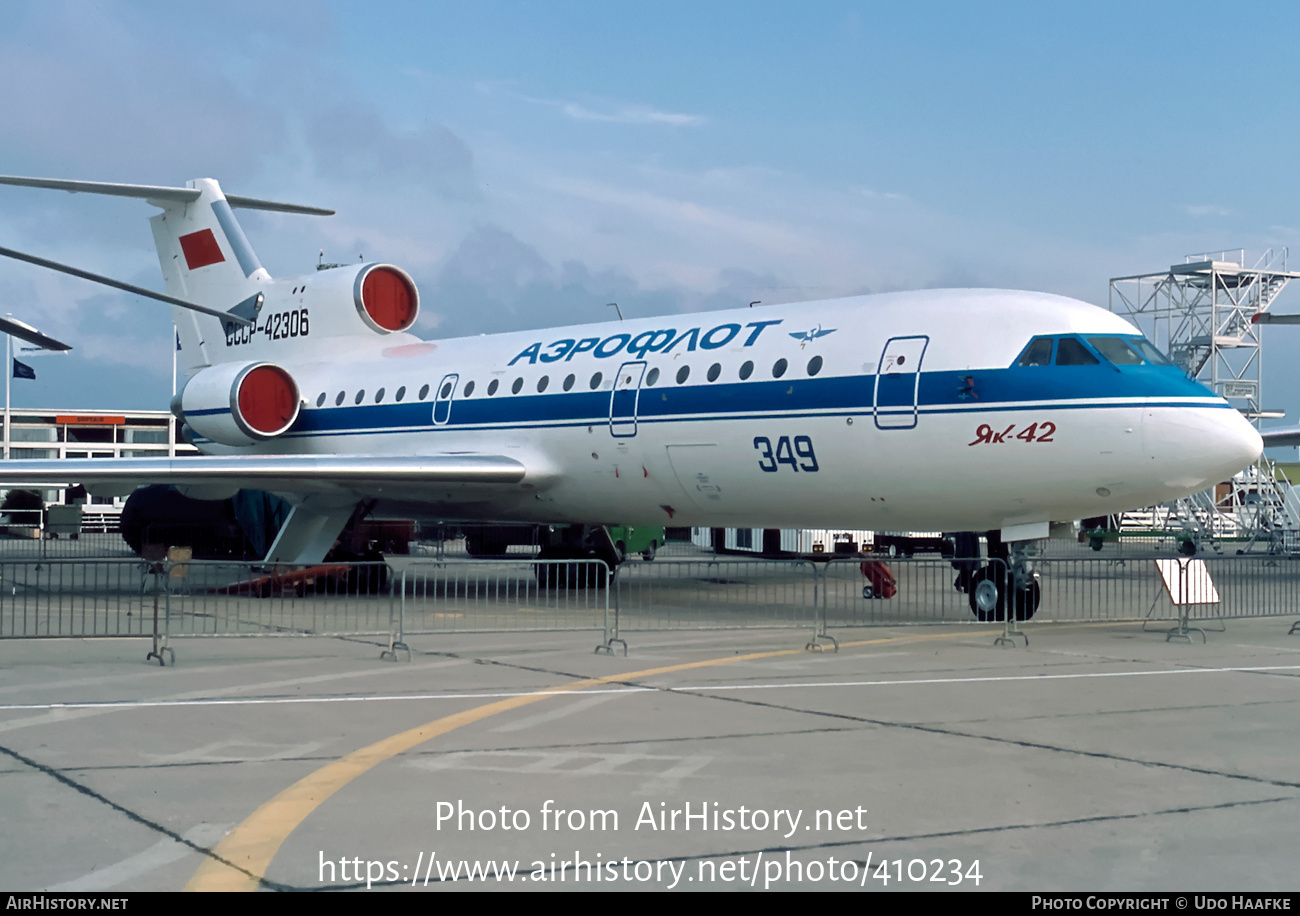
x,y
111,597
462,596
193,598
86,546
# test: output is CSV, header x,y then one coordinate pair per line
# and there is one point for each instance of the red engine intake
x,y
386,298
240,403
267,400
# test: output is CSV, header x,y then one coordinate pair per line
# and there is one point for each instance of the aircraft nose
x,y
1195,449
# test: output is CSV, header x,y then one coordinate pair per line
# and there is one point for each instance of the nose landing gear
x,y
994,588
1006,584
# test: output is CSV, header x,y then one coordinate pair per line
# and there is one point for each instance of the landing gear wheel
x,y
988,594
1025,600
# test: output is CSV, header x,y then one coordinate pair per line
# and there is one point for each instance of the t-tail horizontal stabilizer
x,y
158,193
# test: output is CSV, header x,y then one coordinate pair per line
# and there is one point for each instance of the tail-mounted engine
x,y
343,301
385,297
239,403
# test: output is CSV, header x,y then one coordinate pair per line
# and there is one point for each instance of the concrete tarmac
x,y
1097,758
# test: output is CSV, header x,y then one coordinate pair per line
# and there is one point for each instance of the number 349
x,y
799,455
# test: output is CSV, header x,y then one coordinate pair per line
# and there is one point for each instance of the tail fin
x,y
205,258
204,255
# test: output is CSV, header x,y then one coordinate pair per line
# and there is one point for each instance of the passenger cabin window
x,y
1038,353
1070,352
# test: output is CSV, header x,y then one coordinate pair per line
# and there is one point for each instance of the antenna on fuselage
x,y
614,306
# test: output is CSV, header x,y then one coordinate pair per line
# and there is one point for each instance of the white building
x,y
91,434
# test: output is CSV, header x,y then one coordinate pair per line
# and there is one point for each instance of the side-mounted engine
x,y
238,404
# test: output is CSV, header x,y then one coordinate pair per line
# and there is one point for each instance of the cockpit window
x,y
1038,353
1070,352
1152,355
1129,351
1117,350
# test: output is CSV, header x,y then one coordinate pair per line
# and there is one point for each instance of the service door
x,y
623,399
898,381
442,402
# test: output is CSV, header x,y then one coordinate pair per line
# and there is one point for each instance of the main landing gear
x,y
577,542
1006,584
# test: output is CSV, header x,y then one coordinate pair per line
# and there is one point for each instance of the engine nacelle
x,y
337,302
386,298
239,403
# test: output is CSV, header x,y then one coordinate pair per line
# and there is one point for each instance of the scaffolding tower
x,y
1203,314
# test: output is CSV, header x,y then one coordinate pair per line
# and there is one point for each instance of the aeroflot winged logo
x,y
809,336
662,340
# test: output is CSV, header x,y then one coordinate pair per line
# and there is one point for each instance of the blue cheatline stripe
x,y
985,391
604,420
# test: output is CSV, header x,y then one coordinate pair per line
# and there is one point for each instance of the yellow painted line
x,y
251,846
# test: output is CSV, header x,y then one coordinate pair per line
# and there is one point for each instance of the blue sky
x,y
528,162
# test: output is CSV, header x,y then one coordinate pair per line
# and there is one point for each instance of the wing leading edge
x,y
279,473
1282,435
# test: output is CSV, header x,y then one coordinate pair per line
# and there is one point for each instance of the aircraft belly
x,y
954,471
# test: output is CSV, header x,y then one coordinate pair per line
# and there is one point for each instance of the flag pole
x,y
9,371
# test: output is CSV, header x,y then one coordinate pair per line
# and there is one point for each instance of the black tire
x,y
1025,600
649,553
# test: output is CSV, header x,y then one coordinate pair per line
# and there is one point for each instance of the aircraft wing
x,y
1283,435
354,474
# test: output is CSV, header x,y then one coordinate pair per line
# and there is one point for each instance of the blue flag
x,y
22,370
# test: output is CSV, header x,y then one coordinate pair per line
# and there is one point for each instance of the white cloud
x,y
631,114
1207,210
604,111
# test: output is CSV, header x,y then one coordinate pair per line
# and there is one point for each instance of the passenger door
x,y
623,399
898,382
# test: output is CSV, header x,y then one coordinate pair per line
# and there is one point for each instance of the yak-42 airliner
x,y
955,410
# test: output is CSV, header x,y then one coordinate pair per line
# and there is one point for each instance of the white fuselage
x,y
807,415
